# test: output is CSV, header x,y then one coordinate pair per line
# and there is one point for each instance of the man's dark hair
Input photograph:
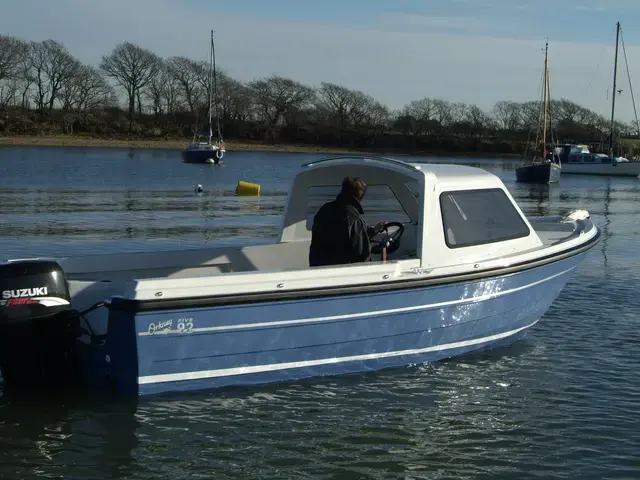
x,y
355,187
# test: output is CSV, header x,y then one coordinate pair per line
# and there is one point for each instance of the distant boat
x,y
547,168
207,151
578,159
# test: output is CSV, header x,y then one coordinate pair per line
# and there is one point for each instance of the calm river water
x,y
562,403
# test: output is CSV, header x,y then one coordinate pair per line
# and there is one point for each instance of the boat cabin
x,y
449,212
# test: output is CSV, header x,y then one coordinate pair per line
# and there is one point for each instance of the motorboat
x,y
578,159
459,268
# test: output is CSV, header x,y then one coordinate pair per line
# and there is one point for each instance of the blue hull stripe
x,y
374,313
226,372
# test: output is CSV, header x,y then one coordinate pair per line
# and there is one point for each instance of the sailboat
x,y
578,159
546,169
207,151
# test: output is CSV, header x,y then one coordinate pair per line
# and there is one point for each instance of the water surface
x,y
562,403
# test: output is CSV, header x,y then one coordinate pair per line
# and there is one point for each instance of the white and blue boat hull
x,y
159,351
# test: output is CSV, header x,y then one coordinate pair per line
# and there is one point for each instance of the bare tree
x,y
26,80
478,120
350,109
234,98
133,68
531,114
567,110
12,52
276,96
37,59
375,119
52,65
156,92
8,93
237,100
191,77
506,115
443,112
171,95
419,117
87,90
458,112
336,103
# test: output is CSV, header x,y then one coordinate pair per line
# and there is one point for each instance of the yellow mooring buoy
x,y
247,189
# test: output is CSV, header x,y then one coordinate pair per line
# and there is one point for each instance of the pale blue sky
x,y
474,51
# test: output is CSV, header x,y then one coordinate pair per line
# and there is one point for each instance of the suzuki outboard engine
x,y
37,324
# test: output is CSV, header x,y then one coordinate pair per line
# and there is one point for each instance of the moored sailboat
x,y
578,159
547,168
207,151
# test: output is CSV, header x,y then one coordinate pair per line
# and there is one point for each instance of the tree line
x,y
45,90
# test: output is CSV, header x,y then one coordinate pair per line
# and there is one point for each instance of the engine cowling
x,y
37,323
32,289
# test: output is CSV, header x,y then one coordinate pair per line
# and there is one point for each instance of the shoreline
x,y
238,146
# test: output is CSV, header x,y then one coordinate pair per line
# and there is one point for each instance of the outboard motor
x,y
37,324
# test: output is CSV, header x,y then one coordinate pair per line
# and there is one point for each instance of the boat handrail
x,y
391,161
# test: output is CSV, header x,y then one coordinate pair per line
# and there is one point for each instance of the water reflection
x,y
130,213
96,436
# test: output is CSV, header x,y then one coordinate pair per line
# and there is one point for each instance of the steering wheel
x,y
391,241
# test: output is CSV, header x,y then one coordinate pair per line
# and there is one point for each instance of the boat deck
x,y
550,234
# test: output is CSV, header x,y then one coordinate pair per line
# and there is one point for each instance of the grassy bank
x,y
231,145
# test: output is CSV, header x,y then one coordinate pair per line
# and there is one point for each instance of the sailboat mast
x,y
210,74
613,93
546,103
215,86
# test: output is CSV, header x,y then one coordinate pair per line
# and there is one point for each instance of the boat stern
x,y
120,354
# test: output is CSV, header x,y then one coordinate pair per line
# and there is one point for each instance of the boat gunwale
x,y
130,305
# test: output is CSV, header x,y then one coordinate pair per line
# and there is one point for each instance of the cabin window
x,y
477,217
379,203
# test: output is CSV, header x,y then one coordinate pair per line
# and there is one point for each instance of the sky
x,y
472,51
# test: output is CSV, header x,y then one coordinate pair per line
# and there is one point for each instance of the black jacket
x,y
339,234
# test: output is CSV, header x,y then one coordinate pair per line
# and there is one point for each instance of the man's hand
x,y
380,226
377,228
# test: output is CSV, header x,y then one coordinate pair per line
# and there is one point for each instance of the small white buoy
x,y
210,160
198,188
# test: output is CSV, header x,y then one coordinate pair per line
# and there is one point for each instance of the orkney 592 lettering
x,y
458,268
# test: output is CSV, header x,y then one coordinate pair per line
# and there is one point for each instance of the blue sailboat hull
x,y
198,155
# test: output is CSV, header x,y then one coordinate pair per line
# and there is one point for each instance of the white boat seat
x,y
191,263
